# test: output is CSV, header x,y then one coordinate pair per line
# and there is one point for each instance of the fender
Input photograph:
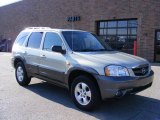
x,y
82,68
18,57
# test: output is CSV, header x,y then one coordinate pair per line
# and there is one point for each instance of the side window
x,y
35,40
21,38
51,39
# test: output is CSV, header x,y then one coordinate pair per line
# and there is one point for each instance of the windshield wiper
x,y
101,50
104,50
92,50
85,50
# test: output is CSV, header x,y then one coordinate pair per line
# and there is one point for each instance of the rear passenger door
x,y
32,52
53,64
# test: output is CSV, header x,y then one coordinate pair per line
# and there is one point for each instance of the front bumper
x,y
113,86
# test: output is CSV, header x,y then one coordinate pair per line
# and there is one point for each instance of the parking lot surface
x,y
43,101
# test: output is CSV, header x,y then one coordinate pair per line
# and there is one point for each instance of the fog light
x,y
119,94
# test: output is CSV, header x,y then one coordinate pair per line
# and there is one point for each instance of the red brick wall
x,y
53,13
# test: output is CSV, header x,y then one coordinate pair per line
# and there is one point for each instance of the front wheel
x,y
85,93
21,75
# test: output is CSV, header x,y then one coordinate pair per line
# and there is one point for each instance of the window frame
x,y
128,27
26,43
43,40
132,23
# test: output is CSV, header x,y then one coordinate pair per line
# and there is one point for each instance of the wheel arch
x,y
18,59
81,71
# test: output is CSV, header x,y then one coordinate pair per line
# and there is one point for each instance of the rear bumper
x,y
12,62
118,86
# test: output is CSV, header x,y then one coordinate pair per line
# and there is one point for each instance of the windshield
x,y
84,42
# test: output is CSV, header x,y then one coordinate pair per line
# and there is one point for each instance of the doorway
x,y
157,46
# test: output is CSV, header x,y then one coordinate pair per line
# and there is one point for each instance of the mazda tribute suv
x,y
79,61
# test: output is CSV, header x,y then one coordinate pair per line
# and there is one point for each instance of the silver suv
x,y
80,62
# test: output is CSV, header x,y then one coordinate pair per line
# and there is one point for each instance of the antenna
x,y
72,30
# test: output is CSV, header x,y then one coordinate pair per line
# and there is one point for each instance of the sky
x,y
7,2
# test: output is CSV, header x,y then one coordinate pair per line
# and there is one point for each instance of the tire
x,y
90,98
21,75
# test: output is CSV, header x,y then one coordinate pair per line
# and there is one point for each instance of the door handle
x,y
43,56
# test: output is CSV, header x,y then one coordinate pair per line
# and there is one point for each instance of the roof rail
x,y
38,28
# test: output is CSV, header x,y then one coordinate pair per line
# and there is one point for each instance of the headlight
x,y
116,70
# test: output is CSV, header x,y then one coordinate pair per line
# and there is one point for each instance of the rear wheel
x,y
85,93
21,74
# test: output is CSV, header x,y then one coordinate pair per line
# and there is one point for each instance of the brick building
x,y
119,22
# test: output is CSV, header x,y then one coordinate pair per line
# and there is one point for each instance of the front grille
x,y
141,70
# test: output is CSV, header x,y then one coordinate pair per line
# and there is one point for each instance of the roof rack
x,y
38,28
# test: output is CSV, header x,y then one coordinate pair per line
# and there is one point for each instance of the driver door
x,y
52,64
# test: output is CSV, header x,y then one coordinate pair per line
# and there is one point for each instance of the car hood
x,y
110,57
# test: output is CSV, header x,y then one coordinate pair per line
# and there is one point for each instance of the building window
x,y
120,34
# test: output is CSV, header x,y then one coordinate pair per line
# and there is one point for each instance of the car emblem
x,y
143,71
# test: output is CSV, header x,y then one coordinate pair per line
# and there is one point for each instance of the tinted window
x,y
122,31
21,38
112,31
158,36
112,24
35,40
132,23
102,24
51,39
122,23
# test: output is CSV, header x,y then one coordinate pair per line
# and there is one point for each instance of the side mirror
x,y
58,49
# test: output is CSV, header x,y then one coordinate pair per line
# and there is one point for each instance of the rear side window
x,y
51,39
35,40
21,38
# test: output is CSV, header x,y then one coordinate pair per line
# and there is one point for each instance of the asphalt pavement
x,y
44,101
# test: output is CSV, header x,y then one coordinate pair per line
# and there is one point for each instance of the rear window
x,y
21,38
